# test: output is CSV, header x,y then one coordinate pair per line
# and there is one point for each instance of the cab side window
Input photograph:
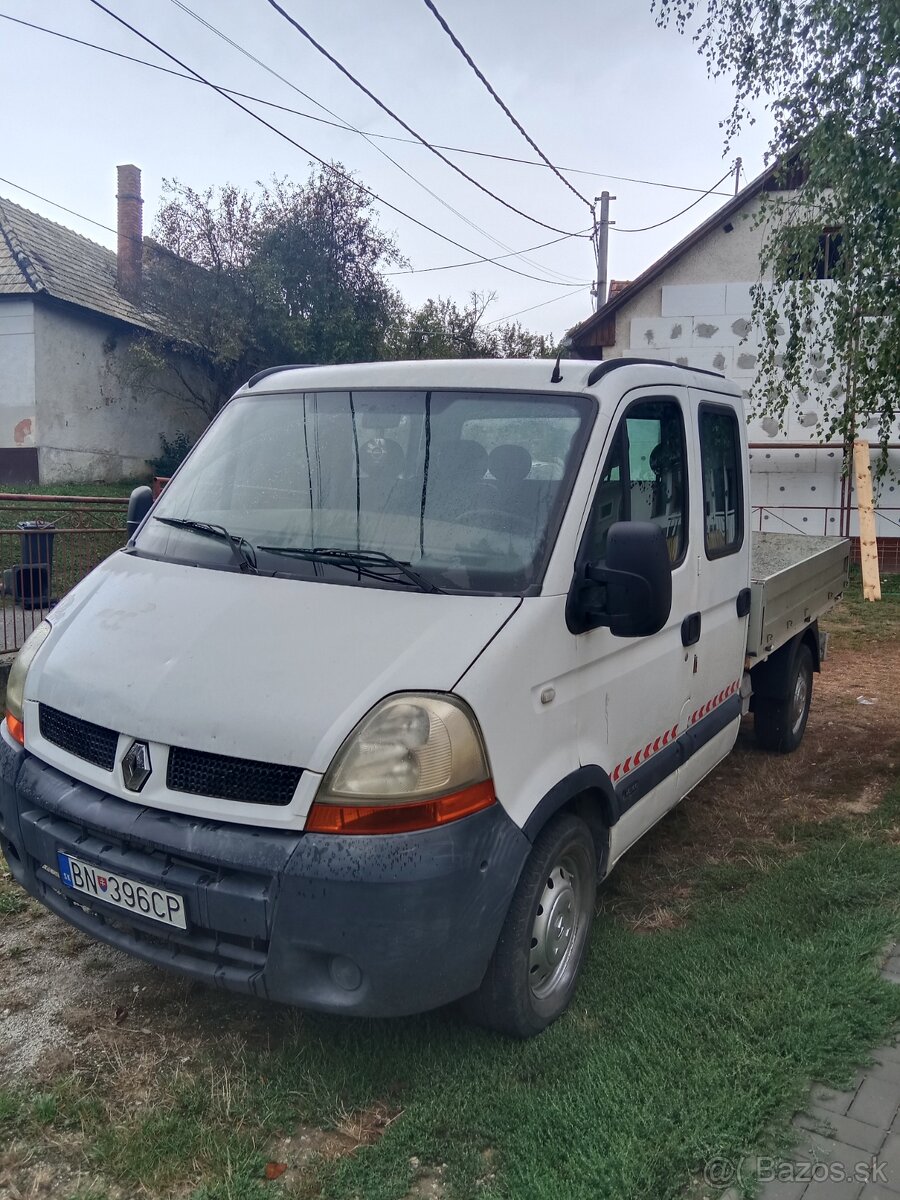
x,y
723,487
645,478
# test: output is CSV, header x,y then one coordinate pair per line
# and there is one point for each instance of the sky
x,y
599,88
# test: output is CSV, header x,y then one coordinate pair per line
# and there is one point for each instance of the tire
x,y
780,722
534,970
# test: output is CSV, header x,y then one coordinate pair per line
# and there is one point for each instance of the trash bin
x,y
33,577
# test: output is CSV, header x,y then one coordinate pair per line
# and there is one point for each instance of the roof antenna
x,y
556,377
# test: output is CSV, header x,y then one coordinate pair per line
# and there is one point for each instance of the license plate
x,y
140,898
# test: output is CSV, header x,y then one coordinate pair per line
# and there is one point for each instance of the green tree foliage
x,y
318,259
441,329
829,75
291,273
240,281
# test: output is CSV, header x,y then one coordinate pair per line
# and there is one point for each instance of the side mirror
x,y
139,503
632,592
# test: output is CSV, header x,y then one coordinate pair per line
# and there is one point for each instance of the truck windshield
x,y
456,491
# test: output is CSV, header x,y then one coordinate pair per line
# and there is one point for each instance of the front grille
x,y
94,743
228,778
192,771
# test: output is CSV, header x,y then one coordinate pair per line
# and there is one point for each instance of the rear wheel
x,y
780,722
534,970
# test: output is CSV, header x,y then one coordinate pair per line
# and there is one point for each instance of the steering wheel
x,y
498,520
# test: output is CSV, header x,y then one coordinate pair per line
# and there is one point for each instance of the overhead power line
x,y
341,123
53,203
543,304
338,124
100,225
315,157
452,266
409,129
432,7
414,271
675,216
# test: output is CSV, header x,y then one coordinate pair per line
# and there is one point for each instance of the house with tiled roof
x,y
693,306
70,309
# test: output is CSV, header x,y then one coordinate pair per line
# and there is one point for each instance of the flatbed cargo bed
x,y
794,579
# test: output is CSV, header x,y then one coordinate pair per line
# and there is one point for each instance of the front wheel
x,y
532,975
780,722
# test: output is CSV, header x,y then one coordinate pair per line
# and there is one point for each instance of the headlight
x,y
15,686
412,762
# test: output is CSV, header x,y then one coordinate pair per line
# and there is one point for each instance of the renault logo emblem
x,y
136,766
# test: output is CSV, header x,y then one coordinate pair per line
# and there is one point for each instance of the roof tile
x,y
37,255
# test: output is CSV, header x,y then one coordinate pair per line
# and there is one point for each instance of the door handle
x,y
690,629
742,603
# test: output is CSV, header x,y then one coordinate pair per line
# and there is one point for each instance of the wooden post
x,y
868,544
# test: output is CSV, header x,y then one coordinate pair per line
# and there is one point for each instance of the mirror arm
x,y
609,577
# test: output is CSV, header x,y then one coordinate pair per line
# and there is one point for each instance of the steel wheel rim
x,y
559,922
798,701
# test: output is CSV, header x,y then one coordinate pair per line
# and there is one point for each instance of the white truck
x,y
402,661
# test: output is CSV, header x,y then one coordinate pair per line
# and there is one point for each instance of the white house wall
x,y
91,424
697,312
18,412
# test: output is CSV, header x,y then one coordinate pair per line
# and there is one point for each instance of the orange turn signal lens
x,y
399,818
15,727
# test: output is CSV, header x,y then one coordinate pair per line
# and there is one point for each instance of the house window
x,y
820,261
723,481
829,255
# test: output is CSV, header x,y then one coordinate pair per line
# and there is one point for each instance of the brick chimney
x,y
129,258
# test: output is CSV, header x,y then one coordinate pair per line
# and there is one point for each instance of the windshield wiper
x,y
243,552
374,563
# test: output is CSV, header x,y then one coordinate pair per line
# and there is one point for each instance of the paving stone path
x,y
848,1144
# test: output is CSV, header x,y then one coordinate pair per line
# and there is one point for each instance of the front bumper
x,y
374,926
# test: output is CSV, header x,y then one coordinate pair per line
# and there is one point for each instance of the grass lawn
x,y
86,534
858,622
682,1046
692,1037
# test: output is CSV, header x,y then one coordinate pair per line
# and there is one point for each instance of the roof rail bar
x,y
255,379
611,364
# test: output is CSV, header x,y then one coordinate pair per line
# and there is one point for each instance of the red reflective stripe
x,y
641,755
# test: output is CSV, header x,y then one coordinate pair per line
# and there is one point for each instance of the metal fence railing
x,y
805,518
821,518
47,544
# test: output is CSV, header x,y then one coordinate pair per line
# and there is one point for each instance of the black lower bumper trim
x,y
375,926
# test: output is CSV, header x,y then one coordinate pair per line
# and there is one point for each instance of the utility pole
x,y
601,248
737,175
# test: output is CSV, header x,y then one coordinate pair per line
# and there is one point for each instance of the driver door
x,y
634,691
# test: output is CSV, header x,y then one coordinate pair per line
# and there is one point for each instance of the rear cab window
x,y
723,483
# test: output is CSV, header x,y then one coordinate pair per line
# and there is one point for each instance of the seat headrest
x,y
509,464
382,457
463,460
